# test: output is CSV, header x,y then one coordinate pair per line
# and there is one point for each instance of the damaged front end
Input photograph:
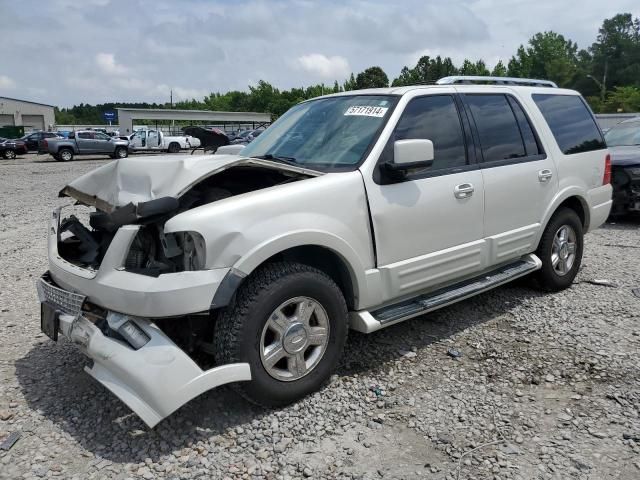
x,y
135,298
132,356
626,189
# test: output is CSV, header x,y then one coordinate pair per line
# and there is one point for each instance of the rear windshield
x,y
571,123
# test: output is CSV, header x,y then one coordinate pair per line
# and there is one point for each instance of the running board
x,y
367,322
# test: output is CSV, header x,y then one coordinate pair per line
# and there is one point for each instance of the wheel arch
x,y
331,255
572,199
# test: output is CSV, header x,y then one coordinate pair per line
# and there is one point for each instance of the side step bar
x,y
367,322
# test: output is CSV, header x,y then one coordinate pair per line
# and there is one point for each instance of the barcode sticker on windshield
x,y
365,111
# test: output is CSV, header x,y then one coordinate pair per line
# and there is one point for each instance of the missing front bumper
x,y
154,380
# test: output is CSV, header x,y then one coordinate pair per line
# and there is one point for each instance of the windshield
x,y
332,132
625,134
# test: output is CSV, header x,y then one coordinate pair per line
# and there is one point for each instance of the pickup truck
x,y
84,142
155,140
356,210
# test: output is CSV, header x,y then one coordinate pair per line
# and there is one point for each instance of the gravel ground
x,y
547,386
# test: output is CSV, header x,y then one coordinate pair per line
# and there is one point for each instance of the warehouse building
x,y
32,116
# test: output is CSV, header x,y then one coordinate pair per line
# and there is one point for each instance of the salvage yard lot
x,y
547,385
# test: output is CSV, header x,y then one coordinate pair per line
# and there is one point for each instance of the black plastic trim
x,y
227,288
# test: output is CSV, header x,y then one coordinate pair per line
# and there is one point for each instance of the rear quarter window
x,y
571,123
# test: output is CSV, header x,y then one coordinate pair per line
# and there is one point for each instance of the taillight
x,y
606,178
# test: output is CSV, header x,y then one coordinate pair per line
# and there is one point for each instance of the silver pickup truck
x,y
85,142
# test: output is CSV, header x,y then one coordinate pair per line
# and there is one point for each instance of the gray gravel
x,y
545,386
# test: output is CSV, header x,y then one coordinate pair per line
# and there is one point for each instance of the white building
x,y
33,116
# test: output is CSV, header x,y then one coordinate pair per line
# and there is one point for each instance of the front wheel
x,y
65,155
9,154
121,152
289,322
560,250
173,147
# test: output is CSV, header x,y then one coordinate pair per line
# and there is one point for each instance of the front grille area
x,y
67,302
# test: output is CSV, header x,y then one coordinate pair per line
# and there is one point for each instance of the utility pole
x,y
173,122
602,85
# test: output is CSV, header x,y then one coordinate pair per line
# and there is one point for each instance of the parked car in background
x,y
156,141
623,141
84,142
247,136
9,148
355,210
240,137
32,140
64,133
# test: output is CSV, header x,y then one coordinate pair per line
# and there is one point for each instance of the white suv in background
x,y
356,210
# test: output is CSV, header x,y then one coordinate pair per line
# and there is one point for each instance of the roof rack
x,y
529,82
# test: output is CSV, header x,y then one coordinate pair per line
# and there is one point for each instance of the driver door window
x,y
434,118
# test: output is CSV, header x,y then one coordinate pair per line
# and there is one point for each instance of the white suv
x,y
356,210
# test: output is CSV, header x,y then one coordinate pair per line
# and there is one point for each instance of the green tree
x,y
499,70
474,68
623,99
349,84
427,71
615,55
549,56
372,77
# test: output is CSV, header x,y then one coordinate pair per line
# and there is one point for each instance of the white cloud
x,y
107,63
6,82
326,67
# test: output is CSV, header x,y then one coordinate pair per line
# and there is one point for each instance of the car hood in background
x,y
135,180
625,156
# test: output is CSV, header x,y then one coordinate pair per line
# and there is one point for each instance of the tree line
x,y
607,73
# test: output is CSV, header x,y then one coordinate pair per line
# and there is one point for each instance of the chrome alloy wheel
x,y
563,250
294,339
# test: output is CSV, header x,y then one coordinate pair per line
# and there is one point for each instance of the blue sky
x,y
64,52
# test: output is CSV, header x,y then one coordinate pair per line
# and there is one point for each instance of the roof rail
x,y
529,82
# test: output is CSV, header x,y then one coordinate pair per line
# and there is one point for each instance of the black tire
x,y
9,154
121,152
65,155
239,329
548,277
173,147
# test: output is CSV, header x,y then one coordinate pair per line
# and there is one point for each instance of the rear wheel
x,y
65,155
9,154
173,147
560,250
289,322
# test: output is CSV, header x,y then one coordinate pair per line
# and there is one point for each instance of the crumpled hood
x,y
625,156
141,179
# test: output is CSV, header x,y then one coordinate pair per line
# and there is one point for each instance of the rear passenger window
x,y
435,118
500,137
571,123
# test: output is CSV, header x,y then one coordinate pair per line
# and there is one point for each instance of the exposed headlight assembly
x,y
189,245
193,251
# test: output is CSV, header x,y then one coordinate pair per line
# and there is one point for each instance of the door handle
x,y
545,175
464,190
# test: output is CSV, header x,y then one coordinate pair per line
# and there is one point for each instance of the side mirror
x,y
411,154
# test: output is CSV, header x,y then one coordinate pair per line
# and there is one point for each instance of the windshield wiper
x,y
278,158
